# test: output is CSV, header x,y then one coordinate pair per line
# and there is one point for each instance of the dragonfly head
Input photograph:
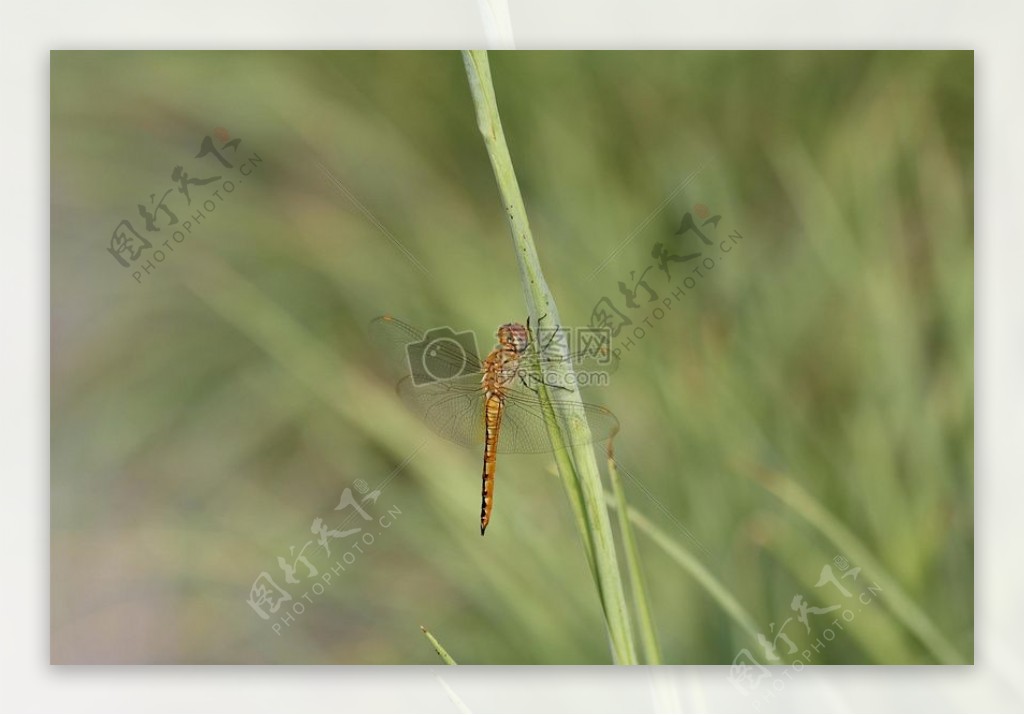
x,y
513,336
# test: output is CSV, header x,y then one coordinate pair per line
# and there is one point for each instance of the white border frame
x,y
28,31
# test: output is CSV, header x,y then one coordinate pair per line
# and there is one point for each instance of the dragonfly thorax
x,y
501,367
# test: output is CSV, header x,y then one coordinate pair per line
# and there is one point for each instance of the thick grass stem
x,y
570,437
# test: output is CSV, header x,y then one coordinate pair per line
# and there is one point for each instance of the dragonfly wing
x,y
426,355
524,426
454,410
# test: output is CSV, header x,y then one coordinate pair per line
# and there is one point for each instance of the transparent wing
x,y
439,353
524,426
455,411
456,353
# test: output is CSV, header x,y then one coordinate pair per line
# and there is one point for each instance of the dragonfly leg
x,y
554,334
543,349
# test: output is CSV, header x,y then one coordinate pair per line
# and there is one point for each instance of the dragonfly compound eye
x,y
513,335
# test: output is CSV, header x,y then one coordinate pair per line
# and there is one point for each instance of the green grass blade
x,y
583,466
567,473
448,660
641,601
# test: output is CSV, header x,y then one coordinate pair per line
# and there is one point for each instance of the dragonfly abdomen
x,y
493,407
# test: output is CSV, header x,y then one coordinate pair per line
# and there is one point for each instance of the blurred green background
x,y
203,416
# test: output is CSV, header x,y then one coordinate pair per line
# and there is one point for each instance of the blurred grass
x,y
201,420
692,565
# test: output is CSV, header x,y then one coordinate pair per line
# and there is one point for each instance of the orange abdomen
x,y
493,408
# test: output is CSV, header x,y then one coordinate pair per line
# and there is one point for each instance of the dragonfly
x,y
495,401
